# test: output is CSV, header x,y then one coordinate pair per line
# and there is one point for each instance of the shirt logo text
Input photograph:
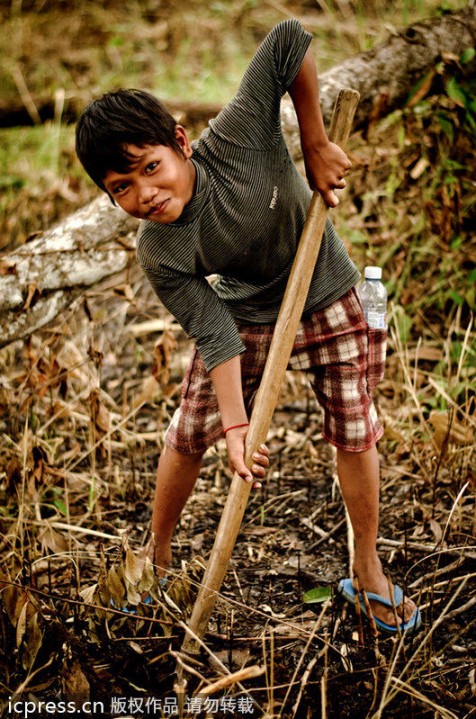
x,y
274,199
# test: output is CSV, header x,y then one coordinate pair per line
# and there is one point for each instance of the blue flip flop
x,y
346,589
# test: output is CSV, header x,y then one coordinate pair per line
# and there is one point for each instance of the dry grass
x,y
83,421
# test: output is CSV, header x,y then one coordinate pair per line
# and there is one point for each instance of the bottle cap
x,y
373,273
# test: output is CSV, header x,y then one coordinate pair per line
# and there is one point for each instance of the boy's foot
x,y
369,575
383,609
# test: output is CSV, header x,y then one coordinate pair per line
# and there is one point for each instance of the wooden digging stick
x,y
268,393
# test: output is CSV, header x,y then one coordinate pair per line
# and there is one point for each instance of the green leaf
x,y
471,122
467,55
456,93
61,506
470,297
317,595
472,277
457,299
447,127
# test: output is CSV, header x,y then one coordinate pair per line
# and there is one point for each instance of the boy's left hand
x,y
326,165
235,443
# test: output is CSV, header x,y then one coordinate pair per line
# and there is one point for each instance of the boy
x,y
232,204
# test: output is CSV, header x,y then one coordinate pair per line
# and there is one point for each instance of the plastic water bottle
x,y
373,296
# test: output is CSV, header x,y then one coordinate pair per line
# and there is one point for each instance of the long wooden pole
x,y
268,393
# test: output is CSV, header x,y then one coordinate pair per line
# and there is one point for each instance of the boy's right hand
x,y
326,165
235,444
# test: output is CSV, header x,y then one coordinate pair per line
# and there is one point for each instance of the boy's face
x,y
159,183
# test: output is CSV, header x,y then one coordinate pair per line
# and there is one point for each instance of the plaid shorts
x,y
343,359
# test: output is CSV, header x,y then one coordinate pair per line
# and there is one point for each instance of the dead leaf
x,y
33,294
163,351
21,624
423,88
99,413
87,594
69,357
425,352
239,657
115,585
260,531
148,577
50,539
14,598
8,266
446,428
436,529
75,685
197,541
150,391
133,567
33,638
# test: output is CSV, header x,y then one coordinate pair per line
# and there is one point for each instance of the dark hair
x,y
117,119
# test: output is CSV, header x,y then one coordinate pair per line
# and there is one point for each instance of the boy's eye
x,y
120,188
151,166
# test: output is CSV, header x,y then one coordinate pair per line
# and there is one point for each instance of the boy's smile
x,y
159,183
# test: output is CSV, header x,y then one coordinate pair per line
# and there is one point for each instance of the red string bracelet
x,y
236,426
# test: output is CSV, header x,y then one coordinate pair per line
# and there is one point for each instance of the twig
x,y
25,95
304,652
334,529
358,612
78,530
270,503
324,686
404,687
304,680
370,614
417,546
387,694
235,678
271,674
443,570
19,691
459,610
460,494
214,659
317,530
88,605
445,583
178,658
391,594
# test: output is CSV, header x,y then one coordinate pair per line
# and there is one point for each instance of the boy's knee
x,y
182,458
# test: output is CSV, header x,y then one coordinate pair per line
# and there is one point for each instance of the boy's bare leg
x,y
176,477
359,478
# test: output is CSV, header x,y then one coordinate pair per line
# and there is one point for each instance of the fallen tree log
x,y
385,75
40,279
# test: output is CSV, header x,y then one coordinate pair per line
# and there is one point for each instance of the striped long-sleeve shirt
x,y
245,218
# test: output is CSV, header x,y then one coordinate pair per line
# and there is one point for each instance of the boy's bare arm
x,y
226,378
325,163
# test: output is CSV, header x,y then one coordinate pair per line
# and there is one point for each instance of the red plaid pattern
x,y
343,359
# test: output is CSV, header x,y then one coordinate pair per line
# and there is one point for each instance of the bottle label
x,y
376,320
